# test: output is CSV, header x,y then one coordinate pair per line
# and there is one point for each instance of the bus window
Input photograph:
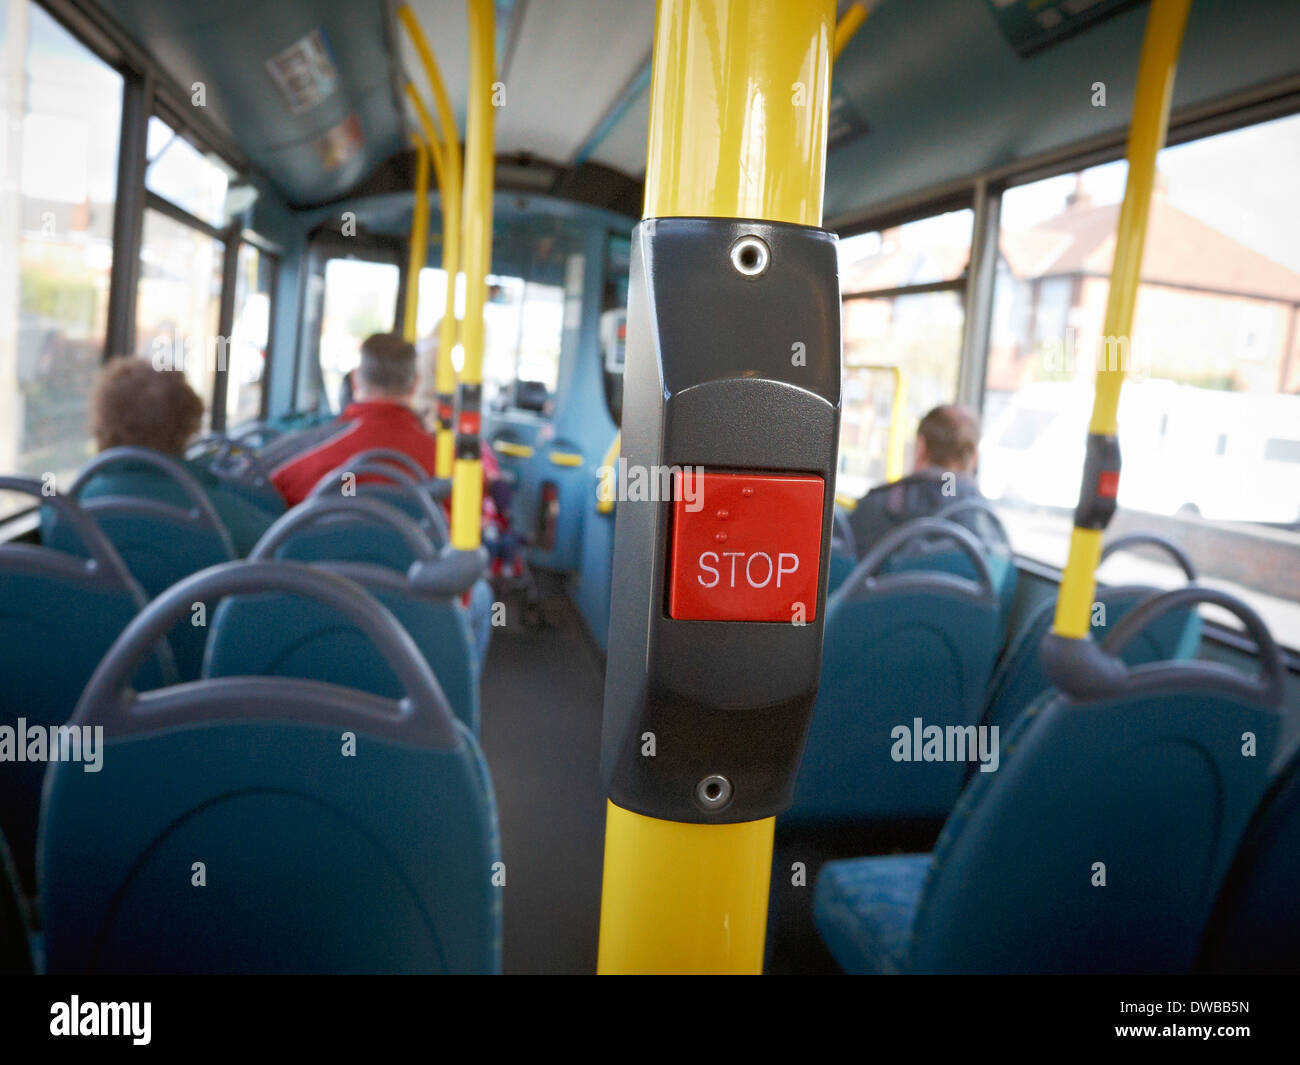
x,y
904,290
179,300
360,299
181,174
250,334
1210,416
58,178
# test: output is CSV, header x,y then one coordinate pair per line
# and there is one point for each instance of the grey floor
x,y
541,707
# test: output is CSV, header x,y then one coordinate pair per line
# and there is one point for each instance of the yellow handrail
x,y
467,468
419,243
450,184
1156,68
738,112
850,22
607,480
897,412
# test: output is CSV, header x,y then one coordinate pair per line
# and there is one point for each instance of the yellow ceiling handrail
x,y
419,243
449,182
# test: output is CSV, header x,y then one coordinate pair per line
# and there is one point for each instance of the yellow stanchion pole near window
x,y
445,134
738,116
1160,47
419,243
467,469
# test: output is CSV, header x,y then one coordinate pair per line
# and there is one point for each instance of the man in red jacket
x,y
378,416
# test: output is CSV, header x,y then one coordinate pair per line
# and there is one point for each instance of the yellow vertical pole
x,y
738,110
450,184
1155,83
467,470
419,243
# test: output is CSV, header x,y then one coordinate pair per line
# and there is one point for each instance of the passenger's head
x,y
387,369
948,438
135,404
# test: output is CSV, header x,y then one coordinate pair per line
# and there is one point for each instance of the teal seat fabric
x,y
865,910
287,636
897,649
337,831
1256,928
1020,679
1150,790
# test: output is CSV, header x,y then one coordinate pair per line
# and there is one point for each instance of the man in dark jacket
x,y
947,450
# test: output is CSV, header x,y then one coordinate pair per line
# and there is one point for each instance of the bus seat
x,y
15,927
376,475
1100,842
1020,678
160,542
288,636
60,612
267,824
1256,928
979,518
379,478
227,465
897,647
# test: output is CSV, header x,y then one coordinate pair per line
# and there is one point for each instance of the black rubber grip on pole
x,y
1100,486
469,421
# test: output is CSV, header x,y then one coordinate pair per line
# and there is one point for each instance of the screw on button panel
x,y
713,792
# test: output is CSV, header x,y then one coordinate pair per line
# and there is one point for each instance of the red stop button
x,y
745,547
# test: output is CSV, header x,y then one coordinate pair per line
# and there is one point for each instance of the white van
x,y
1226,456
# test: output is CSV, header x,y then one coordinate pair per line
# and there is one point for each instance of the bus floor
x,y
541,698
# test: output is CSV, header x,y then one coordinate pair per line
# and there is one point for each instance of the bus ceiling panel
x,y
571,65
930,92
303,86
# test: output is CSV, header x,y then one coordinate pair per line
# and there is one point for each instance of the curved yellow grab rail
x,y
897,414
450,184
1160,47
419,243
849,24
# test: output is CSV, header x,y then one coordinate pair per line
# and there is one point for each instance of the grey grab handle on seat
x,y
393,456
142,456
100,549
1084,669
434,518
983,506
316,508
438,573
107,697
103,555
964,539
1140,539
